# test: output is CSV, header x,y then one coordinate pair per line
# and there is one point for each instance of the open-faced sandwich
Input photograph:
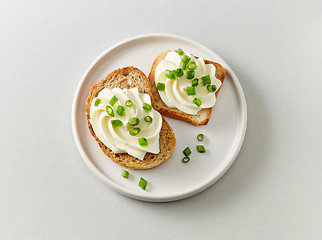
x,y
123,122
185,87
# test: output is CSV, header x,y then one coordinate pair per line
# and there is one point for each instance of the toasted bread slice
x,y
202,117
130,77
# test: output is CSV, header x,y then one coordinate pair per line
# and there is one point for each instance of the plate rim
x,y
135,194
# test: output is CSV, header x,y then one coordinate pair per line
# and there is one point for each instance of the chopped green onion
x,y
211,88
190,74
200,136
179,51
201,149
197,101
117,123
191,91
206,80
97,101
187,151
142,183
143,142
174,74
167,73
182,65
120,110
179,72
125,173
135,131
160,86
171,74
147,106
192,65
185,159
128,103
148,118
110,111
133,121
113,100
195,82
185,59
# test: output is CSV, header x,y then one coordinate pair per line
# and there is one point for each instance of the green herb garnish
x,y
120,110
206,80
187,151
191,91
125,173
117,123
110,111
113,100
147,106
135,131
148,118
142,183
143,142
97,101
133,121
185,159
128,103
197,101
201,149
160,86
200,136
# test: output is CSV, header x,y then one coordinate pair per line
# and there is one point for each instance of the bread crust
x,y
202,117
130,77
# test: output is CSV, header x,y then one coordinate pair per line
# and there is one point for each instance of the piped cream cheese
x,y
175,95
119,139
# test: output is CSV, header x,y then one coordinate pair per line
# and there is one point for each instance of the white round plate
x,y
172,180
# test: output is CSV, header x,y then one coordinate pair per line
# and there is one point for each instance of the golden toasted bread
x,y
130,77
202,117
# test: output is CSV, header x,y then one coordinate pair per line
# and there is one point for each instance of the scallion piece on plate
x,y
133,121
192,65
113,100
197,101
128,103
206,80
117,123
185,159
125,173
187,151
97,101
147,106
179,51
191,91
201,149
135,131
190,74
200,136
110,111
142,183
185,59
148,118
143,142
120,110
180,72
160,86
211,88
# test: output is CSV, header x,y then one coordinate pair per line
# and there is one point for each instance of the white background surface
x,y
273,190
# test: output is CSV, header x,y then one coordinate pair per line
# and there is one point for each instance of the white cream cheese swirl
x,y
175,95
118,139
